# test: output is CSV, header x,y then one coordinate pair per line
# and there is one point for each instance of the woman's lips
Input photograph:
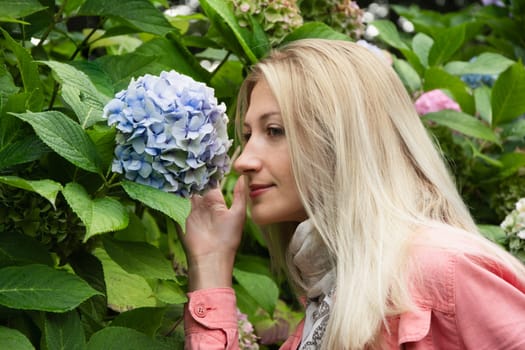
x,y
257,190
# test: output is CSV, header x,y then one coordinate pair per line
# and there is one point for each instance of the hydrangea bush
x,y
514,228
171,133
277,17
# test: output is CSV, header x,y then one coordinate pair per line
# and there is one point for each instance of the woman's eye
x,y
246,136
275,131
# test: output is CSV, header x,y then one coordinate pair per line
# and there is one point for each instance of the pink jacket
x,y
465,303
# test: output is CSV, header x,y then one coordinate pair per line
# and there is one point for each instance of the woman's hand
x,y
213,234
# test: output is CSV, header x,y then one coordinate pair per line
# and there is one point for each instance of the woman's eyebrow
x,y
263,117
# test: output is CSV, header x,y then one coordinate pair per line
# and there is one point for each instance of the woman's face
x,y
265,162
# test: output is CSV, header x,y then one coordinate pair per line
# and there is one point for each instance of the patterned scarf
x,y
310,259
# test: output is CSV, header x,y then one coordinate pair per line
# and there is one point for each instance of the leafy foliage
x,y
91,261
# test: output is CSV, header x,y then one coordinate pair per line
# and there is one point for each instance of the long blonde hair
x,y
367,172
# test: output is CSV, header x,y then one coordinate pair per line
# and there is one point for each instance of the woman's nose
x,y
248,160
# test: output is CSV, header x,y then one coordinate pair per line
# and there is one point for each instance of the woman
x,y
359,210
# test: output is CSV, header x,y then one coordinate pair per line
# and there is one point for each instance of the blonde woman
x,y
359,209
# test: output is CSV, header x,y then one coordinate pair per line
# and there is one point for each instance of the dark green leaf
x,y
140,14
13,339
511,163
220,13
7,85
29,72
19,9
20,249
65,137
64,331
25,149
174,206
446,44
118,338
140,258
508,95
39,287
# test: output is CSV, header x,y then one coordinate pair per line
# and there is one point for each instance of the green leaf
x,y
511,163
46,188
141,259
219,12
65,137
169,292
23,150
103,137
93,311
64,331
40,287
172,205
139,14
100,215
315,30
260,287
259,42
493,232
29,72
121,68
508,95
79,93
117,338
482,99
7,85
408,75
96,75
446,43
19,9
125,291
20,249
486,63
389,34
227,79
464,123
421,44
14,339
145,319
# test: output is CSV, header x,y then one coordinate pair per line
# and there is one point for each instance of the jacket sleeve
x,y
210,320
490,305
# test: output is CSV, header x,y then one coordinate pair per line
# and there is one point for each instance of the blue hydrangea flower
x,y
477,80
171,133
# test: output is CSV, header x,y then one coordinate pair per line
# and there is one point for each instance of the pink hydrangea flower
x,y
247,337
435,101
